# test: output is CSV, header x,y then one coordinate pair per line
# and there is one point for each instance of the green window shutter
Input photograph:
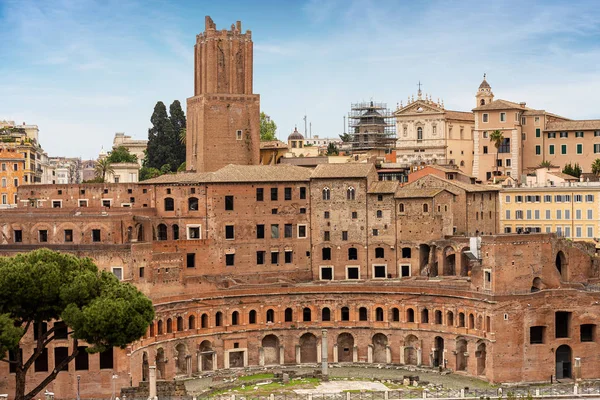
x,y
551,149
579,149
563,149
538,132
538,150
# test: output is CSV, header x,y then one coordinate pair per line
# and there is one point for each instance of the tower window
x,y
238,134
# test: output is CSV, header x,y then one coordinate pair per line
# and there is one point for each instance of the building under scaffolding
x,y
371,126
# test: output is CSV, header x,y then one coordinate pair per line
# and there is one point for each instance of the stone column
x,y
335,353
324,354
388,354
577,369
199,357
355,354
419,356
226,359
319,347
214,361
245,358
402,355
188,365
152,378
298,360
370,354
261,356
281,355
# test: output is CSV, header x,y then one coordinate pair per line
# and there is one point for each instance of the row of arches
x,y
350,193
463,319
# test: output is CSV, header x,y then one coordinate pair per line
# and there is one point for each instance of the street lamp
x,y
78,380
114,379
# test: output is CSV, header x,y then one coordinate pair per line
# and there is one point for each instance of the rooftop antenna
x,y
305,130
310,129
344,130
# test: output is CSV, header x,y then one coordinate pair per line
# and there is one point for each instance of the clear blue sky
x,y
83,70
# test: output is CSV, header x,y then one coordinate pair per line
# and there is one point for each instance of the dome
x,y
295,135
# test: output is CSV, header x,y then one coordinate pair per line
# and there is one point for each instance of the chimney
x,y
522,104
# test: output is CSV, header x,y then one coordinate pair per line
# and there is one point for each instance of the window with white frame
x,y
194,231
548,214
118,272
326,273
577,198
404,270
352,272
502,117
589,198
507,199
507,214
301,231
379,271
487,279
238,134
590,214
590,231
485,117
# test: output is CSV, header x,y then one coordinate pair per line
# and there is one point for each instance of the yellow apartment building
x,y
571,210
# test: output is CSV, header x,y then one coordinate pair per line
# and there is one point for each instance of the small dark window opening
x,y
260,194
68,235
587,332
82,359
379,252
228,203
229,260
287,193
345,314
106,359
536,334
326,253
406,252
60,354
325,314
274,194
41,363
193,204
252,317
190,260
306,314
352,253
563,324
289,315
363,314
96,235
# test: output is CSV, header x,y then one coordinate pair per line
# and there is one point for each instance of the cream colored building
x,y
429,134
571,210
136,147
124,173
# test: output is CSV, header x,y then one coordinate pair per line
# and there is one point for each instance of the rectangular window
x,y
260,194
538,150
61,354
354,214
326,215
238,134
274,257
567,231
379,271
590,214
578,231
519,214
579,148
41,363
502,117
118,272
485,118
228,203
352,273
485,149
43,236
274,231
302,210
590,231
106,359
536,334
260,257
507,199
96,237
344,235
326,236
302,193
528,214
577,198
229,232
287,193
82,359
578,134
229,260
567,214
260,231
508,162
326,273
589,198
587,332
375,232
551,149
507,214
577,214
68,235
547,198
558,214
596,148
193,232
273,194
288,256
538,132
523,120
326,253
507,229
18,235
564,135
562,323
190,260
288,230
106,203
301,231
536,214
518,199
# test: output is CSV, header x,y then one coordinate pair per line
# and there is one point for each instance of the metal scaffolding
x,y
372,126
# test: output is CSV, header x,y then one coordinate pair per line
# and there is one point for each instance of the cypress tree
x,y
161,139
178,122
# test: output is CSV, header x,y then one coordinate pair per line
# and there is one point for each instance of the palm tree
x,y
102,168
596,167
182,134
497,138
545,164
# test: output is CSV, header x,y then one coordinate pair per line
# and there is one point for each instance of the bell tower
x,y
223,125
484,93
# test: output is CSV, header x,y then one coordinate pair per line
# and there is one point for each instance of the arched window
x,y
410,315
326,194
350,193
379,214
306,314
425,207
462,163
175,232
438,317
169,204
379,252
151,329
401,207
352,253
235,316
419,133
252,317
218,318
482,102
204,321
425,316
193,204
325,314
395,314
179,324
169,325
289,315
363,314
270,316
450,318
379,314
161,233
471,321
345,314
191,322
160,327
461,320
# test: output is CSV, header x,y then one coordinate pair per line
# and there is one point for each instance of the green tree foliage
x,y
42,286
332,150
346,137
148,173
545,164
268,128
496,137
573,170
102,168
596,167
121,155
164,146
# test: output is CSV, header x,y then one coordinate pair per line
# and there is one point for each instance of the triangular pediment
x,y
419,107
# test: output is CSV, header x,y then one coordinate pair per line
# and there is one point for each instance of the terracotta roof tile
x,y
381,187
261,173
273,144
409,193
500,105
347,170
460,115
581,125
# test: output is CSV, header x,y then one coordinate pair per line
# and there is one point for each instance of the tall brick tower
x,y
223,124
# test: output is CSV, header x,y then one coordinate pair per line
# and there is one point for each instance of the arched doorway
x,y
449,261
411,343
380,342
461,357
481,354
181,362
145,367
561,264
536,285
308,348
345,344
464,262
563,362
270,345
206,354
438,352
160,363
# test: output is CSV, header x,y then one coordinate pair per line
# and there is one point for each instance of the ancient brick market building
x,y
246,264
